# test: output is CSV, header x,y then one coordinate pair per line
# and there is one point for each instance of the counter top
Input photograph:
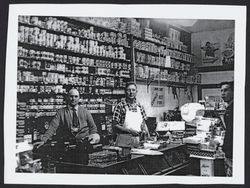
x,y
175,157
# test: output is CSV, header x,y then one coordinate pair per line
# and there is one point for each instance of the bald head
x,y
73,97
73,91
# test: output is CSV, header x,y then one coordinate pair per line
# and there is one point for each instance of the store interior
x,y
177,65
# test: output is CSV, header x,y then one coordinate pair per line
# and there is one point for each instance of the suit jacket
x,y
228,140
62,122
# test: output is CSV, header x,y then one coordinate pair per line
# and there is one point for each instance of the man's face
x,y
131,91
74,97
226,93
208,44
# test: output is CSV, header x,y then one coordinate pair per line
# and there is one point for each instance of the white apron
x,y
133,120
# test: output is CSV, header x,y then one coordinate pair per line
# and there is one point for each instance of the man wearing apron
x,y
129,118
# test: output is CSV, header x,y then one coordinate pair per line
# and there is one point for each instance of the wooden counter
x,y
174,159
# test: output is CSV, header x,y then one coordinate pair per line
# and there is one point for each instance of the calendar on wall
x,y
157,97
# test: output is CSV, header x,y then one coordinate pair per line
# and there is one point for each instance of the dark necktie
x,y
75,124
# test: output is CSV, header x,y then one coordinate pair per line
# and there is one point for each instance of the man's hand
x,y
38,144
146,133
94,138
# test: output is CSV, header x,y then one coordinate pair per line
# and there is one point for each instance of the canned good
x,y
34,20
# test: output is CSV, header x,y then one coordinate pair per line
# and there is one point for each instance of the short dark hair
x,y
231,84
131,83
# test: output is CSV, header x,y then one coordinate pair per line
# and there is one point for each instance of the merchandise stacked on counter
x,y
207,141
104,157
151,157
98,155
24,159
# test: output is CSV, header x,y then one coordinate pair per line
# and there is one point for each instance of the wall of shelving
x,y
57,53
97,58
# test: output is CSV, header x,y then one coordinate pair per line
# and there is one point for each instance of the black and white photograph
x,y
126,94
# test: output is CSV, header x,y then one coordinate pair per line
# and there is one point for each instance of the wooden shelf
x,y
68,72
66,63
63,84
229,67
208,86
150,41
149,52
166,83
161,67
69,34
67,52
40,93
159,44
161,55
82,23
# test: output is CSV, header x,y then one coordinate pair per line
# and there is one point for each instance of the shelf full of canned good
x,y
57,53
163,60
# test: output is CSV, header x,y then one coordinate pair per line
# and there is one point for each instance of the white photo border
x,y
237,13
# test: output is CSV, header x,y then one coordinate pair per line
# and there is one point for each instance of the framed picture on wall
x,y
210,53
215,47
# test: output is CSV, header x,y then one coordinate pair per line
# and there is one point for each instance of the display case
x,y
174,159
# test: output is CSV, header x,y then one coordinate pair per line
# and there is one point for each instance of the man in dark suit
x,y
227,89
73,121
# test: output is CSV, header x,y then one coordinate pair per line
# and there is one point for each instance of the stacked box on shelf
x,y
178,135
154,72
187,67
71,43
111,23
122,27
181,77
133,26
174,64
140,71
114,23
190,129
164,75
198,78
189,79
168,63
176,44
20,123
147,33
124,73
145,46
184,48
